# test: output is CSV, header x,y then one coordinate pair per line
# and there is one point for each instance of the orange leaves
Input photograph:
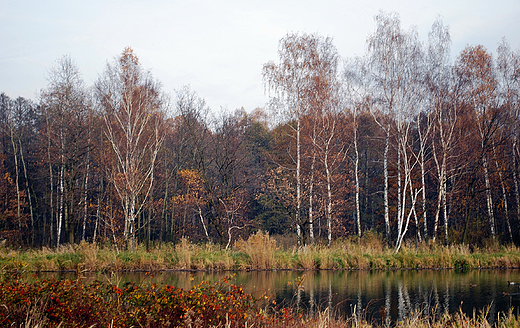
x,y
129,99
474,69
191,187
190,179
308,63
130,67
9,224
128,58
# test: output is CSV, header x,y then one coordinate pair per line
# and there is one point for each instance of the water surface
x,y
377,295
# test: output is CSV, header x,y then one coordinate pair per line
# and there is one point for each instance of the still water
x,y
377,295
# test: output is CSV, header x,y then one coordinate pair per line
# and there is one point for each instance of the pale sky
x,y
217,47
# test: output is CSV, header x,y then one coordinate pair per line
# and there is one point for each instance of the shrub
x,y
70,303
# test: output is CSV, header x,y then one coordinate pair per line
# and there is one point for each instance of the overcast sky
x,y
217,47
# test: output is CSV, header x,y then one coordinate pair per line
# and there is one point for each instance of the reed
x,y
259,252
260,248
307,257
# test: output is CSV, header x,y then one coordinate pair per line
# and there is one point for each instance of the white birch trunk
x,y
515,178
51,196
203,224
97,220
298,185
329,196
356,176
60,207
441,196
311,201
406,222
85,192
17,180
423,193
504,195
85,202
31,212
401,201
445,211
489,197
422,140
385,170
415,215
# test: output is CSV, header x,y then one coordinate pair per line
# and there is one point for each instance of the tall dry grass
x,y
415,320
260,248
259,252
324,319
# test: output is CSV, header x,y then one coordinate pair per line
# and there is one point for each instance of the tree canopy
x,y
402,141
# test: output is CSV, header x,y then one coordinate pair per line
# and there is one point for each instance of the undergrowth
x,y
71,303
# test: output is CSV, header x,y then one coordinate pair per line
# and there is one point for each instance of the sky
x,y
217,47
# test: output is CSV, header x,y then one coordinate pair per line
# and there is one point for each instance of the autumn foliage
x,y
403,142
72,303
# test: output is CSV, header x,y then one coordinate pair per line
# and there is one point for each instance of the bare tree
x,y
357,90
395,58
305,74
8,111
474,69
289,80
16,116
508,73
65,106
133,109
190,145
326,144
443,114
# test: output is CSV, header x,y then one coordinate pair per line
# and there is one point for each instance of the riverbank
x,y
259,252
72,303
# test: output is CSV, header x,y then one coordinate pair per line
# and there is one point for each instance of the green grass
x,y
259,252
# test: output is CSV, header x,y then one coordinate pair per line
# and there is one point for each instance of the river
x,y
376,295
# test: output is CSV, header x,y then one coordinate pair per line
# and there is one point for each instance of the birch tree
x,y
305,61
65,107
443,114
289,80
474,69
326,144
357,91
395,60
508,77
8,111
132,106
16,120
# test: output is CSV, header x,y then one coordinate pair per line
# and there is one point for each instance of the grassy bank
x,y
71,303
259,252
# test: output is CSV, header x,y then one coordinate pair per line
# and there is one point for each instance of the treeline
x,y
402,141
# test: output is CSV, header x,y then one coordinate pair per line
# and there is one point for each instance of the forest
x,y
403,142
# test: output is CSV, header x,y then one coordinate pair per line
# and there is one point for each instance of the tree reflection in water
x,y
387,296
379,296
